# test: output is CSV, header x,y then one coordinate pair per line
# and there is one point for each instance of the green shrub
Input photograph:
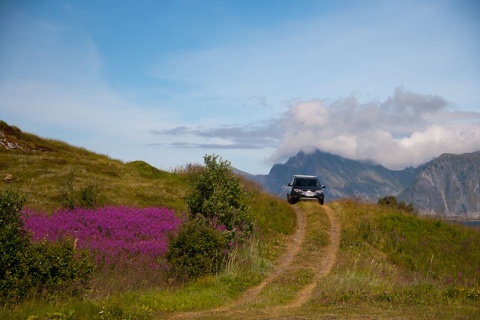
x,y
86,197
27,267
391,201
217,195
195,251
13,240
58,266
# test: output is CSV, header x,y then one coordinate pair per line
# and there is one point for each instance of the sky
x,y
395,83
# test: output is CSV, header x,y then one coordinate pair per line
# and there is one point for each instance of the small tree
x,y
217,195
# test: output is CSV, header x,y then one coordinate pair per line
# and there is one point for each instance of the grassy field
x,y
389,264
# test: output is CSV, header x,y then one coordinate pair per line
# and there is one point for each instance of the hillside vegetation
x,y
387,263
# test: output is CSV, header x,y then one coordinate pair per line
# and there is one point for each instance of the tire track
x,y
327,262
295,242
294,245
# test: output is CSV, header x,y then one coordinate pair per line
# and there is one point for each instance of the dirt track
x,y
321,265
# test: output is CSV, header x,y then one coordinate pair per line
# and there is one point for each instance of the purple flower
x,y
115,235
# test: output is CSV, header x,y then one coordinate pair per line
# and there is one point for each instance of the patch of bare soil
x,y
294,245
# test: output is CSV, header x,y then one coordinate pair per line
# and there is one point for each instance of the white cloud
x,y
407,129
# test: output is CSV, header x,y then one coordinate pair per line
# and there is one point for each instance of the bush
x,y
86,197
219,219
196,250
57,266
391,201
217,195
13,240
26,267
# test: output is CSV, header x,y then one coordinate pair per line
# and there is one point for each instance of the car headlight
x,y
319,191
297,190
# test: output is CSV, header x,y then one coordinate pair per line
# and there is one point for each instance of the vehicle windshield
x,y
305,182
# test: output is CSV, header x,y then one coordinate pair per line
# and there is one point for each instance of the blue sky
x,y
394,82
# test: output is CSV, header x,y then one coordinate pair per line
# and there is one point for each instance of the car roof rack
x,y
303,176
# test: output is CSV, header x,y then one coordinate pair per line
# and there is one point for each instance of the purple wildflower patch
x,y
115,235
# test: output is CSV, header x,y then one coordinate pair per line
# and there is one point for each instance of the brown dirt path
x,y
327,262
294,245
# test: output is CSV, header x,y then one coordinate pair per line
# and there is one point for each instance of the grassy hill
x,y
389,264
44,168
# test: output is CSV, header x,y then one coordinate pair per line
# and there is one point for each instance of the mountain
x,y
343,177
448,185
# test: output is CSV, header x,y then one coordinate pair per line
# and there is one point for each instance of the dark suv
x,y
305,187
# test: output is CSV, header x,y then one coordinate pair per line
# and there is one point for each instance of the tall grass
x,y
391,256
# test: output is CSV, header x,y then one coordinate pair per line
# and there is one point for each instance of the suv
x,y
305,187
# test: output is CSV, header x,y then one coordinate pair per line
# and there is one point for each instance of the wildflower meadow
x,y
114,235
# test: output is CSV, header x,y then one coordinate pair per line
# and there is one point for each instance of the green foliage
x,y
195,251
388,201
35,267
13,239
392,201
48,268
86,197
89,196
217,195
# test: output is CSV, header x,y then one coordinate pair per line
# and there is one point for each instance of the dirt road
x,y
319,262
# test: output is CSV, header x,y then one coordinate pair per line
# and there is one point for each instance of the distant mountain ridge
x,y
448,185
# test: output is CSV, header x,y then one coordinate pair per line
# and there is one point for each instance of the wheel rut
x,y
322,267
285,261
327,262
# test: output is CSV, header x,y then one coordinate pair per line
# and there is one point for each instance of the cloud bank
x,y
406,129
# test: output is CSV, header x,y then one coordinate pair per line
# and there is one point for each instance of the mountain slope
x,y
448,185
343,177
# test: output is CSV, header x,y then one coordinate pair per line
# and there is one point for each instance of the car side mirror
x,y
323,186
289,184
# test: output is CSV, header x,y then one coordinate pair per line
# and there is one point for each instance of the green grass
x,y
390,257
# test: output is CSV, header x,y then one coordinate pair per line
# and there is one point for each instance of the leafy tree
x,y
217,195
